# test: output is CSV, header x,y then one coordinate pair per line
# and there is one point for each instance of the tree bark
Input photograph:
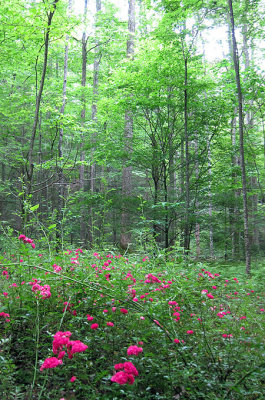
x,y
83,226
254,235
30,165
93,169
187,162
60,205
197,225
125,239
210,209
241,138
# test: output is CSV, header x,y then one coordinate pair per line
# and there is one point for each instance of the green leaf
x,y
52,226
34,208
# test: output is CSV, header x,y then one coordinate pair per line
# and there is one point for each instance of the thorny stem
x,y
37,348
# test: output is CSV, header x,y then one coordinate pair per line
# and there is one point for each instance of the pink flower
x,y
75,346
124,311
60,339
89,318
210,296
94,326
126,376
176,340
110,324
130,379
73,379
134,350
56,268
129,368
120,377
119,366
51,362
190,332
61,355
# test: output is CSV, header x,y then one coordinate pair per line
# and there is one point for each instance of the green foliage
x,y
171,305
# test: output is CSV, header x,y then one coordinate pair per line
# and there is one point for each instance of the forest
x,y
132,199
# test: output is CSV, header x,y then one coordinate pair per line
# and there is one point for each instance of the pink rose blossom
x,y
94,326
119,366
51,362
129,368
134,350
120,377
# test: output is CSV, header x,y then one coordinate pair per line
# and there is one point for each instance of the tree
x,y
125,239
241,137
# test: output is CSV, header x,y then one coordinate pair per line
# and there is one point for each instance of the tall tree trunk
x,y
83,225
254,236
187,161
235,162
197,225
93,170
241,138
59,228
166,218
210,209
125,239
30,165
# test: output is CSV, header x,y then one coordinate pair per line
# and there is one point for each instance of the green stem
x,y
243,378
36,353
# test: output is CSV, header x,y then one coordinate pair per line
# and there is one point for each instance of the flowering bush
x,y
192,332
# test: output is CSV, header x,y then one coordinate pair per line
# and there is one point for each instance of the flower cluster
x,y
127,370
125,376
43,291
5,274
25,239
51,362
5,315
134,350
62,340
56,268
